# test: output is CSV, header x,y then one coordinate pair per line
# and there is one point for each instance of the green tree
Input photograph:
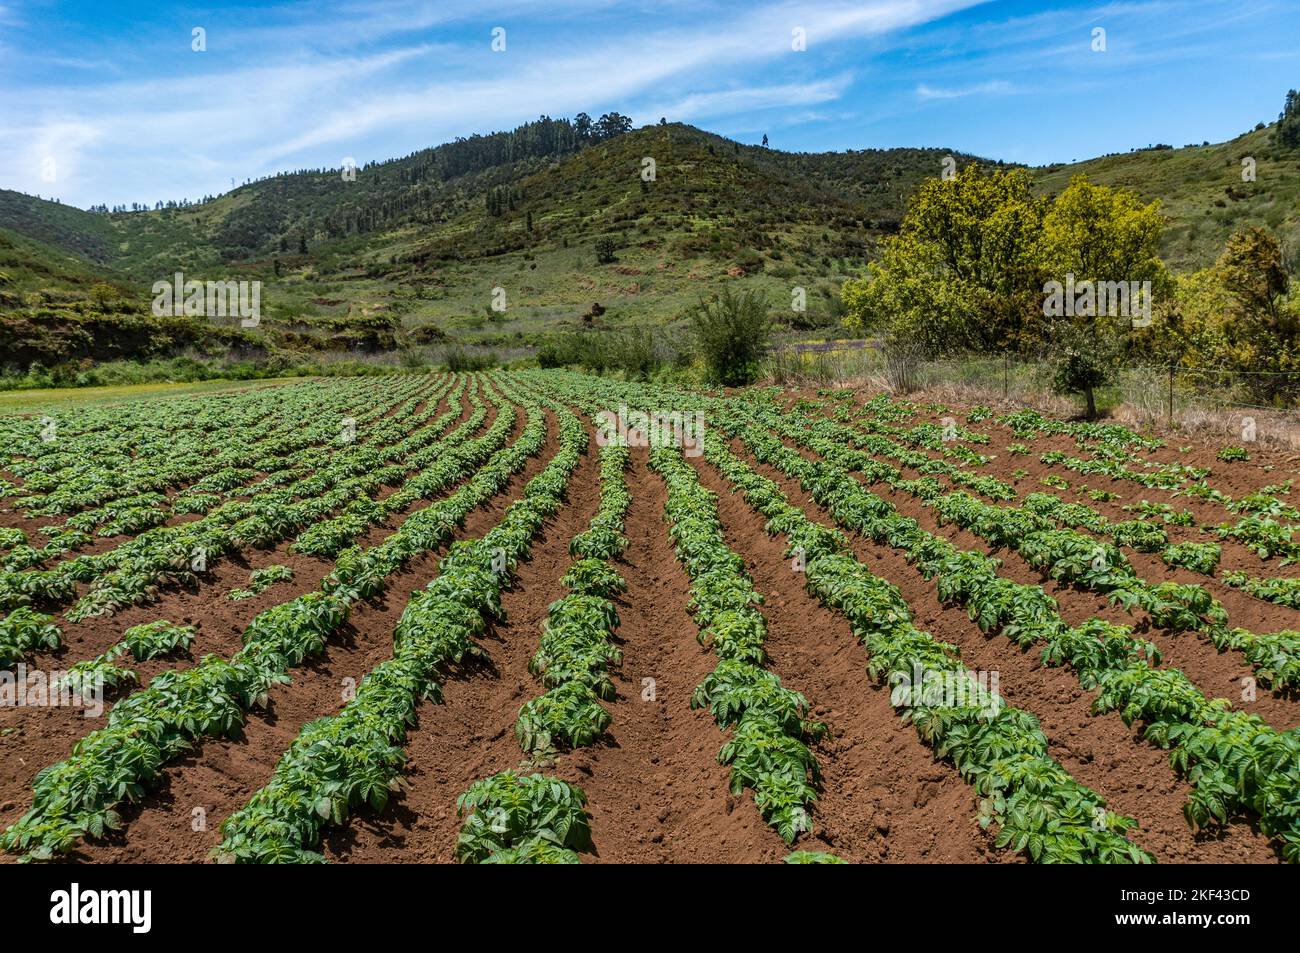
x,y
1262,329
1188,324
1098,233
1100,246
605,250
105,296
1288,123
1253,272
962,273
732,333
1084,359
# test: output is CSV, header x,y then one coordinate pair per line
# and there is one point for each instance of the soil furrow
x,y
1100,751
220,775
884,796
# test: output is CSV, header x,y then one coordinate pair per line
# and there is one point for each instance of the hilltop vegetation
x,y
568,219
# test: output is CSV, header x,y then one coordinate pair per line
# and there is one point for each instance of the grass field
x,y
63,398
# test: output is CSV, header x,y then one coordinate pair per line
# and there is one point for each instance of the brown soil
x,y
221,774
42,736
884,796
1217,674
656,752
37,737
1101,752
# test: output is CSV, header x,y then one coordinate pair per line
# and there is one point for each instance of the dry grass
x,y
1141,401
1279,429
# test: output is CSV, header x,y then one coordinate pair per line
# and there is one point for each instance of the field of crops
x,y
538,617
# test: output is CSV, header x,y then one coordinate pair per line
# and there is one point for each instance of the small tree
x,y
106,297
1084,357
961,274
1254,273
605,250
732,332
1288,123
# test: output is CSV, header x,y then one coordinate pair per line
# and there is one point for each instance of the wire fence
x,y
1168,395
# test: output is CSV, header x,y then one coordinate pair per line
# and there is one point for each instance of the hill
x,y
1202,190
503,238
426,239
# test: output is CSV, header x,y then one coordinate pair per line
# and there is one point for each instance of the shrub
x,y
635,352
458,360
731,332
902,366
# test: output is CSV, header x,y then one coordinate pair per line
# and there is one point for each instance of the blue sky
x,y
105,101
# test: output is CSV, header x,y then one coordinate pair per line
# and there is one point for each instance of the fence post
x,y
1171,394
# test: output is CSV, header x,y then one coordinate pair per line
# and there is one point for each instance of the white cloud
x,y
994,87
212,117
746,99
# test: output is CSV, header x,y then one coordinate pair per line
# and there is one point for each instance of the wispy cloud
x,y
994,87
129,113
728,102
373,78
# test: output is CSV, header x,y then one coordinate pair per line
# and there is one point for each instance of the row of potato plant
x,y
511,818
354,758
67,469
308,458
770,728
149,728
1034,803
576,648
136,571
1036,806
1236,762
1068,555
1141,535
139,503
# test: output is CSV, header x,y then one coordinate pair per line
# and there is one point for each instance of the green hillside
x,y
28,266
1202,192
425,239
561,220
